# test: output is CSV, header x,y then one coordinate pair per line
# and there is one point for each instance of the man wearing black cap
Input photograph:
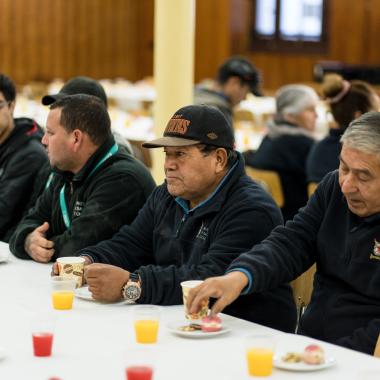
x,y
235,79
194,225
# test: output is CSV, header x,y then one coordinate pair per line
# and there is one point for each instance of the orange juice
x,y
260,361
63,300
146,330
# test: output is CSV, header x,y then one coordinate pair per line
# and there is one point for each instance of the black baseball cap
x,y
196,124
242,68
78,85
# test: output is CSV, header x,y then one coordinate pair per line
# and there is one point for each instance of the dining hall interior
x,y
281,83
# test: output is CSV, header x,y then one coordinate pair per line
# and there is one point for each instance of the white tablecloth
x,y
92,340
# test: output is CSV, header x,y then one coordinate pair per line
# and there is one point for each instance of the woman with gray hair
x,y
286,146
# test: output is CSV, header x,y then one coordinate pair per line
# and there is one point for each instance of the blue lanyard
x,y
62,201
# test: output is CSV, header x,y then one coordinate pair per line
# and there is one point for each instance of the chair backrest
x,y
141,153
243,115
377,348
303,287
311,188
272,182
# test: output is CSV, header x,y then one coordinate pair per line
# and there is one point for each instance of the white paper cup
x,y
71,267
186,287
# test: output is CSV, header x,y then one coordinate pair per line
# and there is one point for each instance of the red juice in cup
x,y
139,372
42,343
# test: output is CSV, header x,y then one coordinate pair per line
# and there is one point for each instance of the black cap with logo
x,y
242,68
196,124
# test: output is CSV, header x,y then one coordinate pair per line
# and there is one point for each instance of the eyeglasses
x,y
3,103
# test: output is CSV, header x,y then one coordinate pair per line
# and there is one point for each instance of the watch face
x,y
132,292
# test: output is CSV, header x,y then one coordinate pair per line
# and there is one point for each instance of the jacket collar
x,y
216,200
279,127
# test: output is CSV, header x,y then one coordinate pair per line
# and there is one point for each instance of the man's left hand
x,y
105,281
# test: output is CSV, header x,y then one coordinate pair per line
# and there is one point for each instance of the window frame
x,y
276,44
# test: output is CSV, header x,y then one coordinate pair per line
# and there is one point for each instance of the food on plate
x,y
211,323
190,328
292,357
313,354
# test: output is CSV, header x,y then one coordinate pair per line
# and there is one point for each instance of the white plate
x,y
301,366
83,293
2,353
174,328
4,252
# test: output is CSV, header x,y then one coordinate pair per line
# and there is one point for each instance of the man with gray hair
x,y
339,230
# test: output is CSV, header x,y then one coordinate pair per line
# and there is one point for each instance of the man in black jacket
x,y
21,155
94,190
339,229
206,213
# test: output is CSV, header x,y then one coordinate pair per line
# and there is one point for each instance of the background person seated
x,y
236,77
286,146
347,101
21,156
95,188
206,213
339,230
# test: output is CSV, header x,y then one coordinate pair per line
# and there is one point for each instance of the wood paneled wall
x,y
44,39
353,29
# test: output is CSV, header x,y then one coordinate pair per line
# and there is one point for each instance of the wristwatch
x,y
131,291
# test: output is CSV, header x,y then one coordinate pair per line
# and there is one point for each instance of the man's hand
x,y
225,288
37,246
105,281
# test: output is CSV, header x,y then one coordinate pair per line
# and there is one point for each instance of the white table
x,y
92,340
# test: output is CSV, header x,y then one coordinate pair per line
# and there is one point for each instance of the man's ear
x,y
77,136
221,159
12,106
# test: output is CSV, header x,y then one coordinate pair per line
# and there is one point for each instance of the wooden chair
x,y
243,115
377,348
272,182
302,288
143,154
311,188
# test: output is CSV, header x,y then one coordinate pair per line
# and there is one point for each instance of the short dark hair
x,y
86,113
231,154
242,68
8,88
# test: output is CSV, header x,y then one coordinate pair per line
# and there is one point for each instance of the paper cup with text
x,y
186,287
72,267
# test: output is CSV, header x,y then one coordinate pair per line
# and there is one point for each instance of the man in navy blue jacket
x,y
339,229
193,226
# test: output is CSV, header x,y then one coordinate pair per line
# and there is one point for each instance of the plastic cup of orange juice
x,y
259,354
62,292
146,322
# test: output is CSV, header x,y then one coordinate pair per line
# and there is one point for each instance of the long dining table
x,y
93,340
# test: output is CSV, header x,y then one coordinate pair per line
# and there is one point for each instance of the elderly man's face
x,y
190,174
359,179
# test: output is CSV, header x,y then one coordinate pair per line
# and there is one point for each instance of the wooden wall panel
x,y
44,39
353,28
